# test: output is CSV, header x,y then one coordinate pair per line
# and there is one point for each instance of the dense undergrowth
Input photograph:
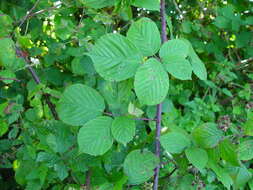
x,y
80,81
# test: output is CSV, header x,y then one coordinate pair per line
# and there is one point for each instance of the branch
x,y
141,118
43,11
87,180
28,13
37,81
178,9
159,106
170,174
4,78
245,61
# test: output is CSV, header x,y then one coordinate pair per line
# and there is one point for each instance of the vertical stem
x,y
163,21
45,95
159,106
88,182
37,81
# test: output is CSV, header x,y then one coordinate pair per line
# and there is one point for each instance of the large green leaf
x,y
139,166
145,35
174,142
197,156
245,150
228,152
80,104
151,82
95,137
178,67
198,66
123,129
207,135
115,57
147,4
173,48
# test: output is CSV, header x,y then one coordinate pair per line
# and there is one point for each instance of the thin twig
x,y
28,13
245,61
6,78
88,180
37,81
170,174
177,7
140,118
44,10
159,106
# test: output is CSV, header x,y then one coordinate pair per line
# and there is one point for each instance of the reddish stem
x,y
159,106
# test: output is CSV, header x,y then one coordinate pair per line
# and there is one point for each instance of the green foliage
x,y
115,57
175,142
139,166
207,135
95,137
145,35
101,66
80,104
123,129
151,82
197,156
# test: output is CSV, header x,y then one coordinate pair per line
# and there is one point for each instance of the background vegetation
x,y
207,125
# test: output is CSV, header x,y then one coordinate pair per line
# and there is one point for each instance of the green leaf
x,y
245,150
123,129
95,137
119,185
7,52
197,156
145,35
7,74
80,104
133,110
178,67
147,4
64,27
174,48
222,174
4,127
207,135
175,142
221,22
97,4
139,166
115,57
243,176
6,25
228,152
198,66
151,82
82,65
248,125
61,170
